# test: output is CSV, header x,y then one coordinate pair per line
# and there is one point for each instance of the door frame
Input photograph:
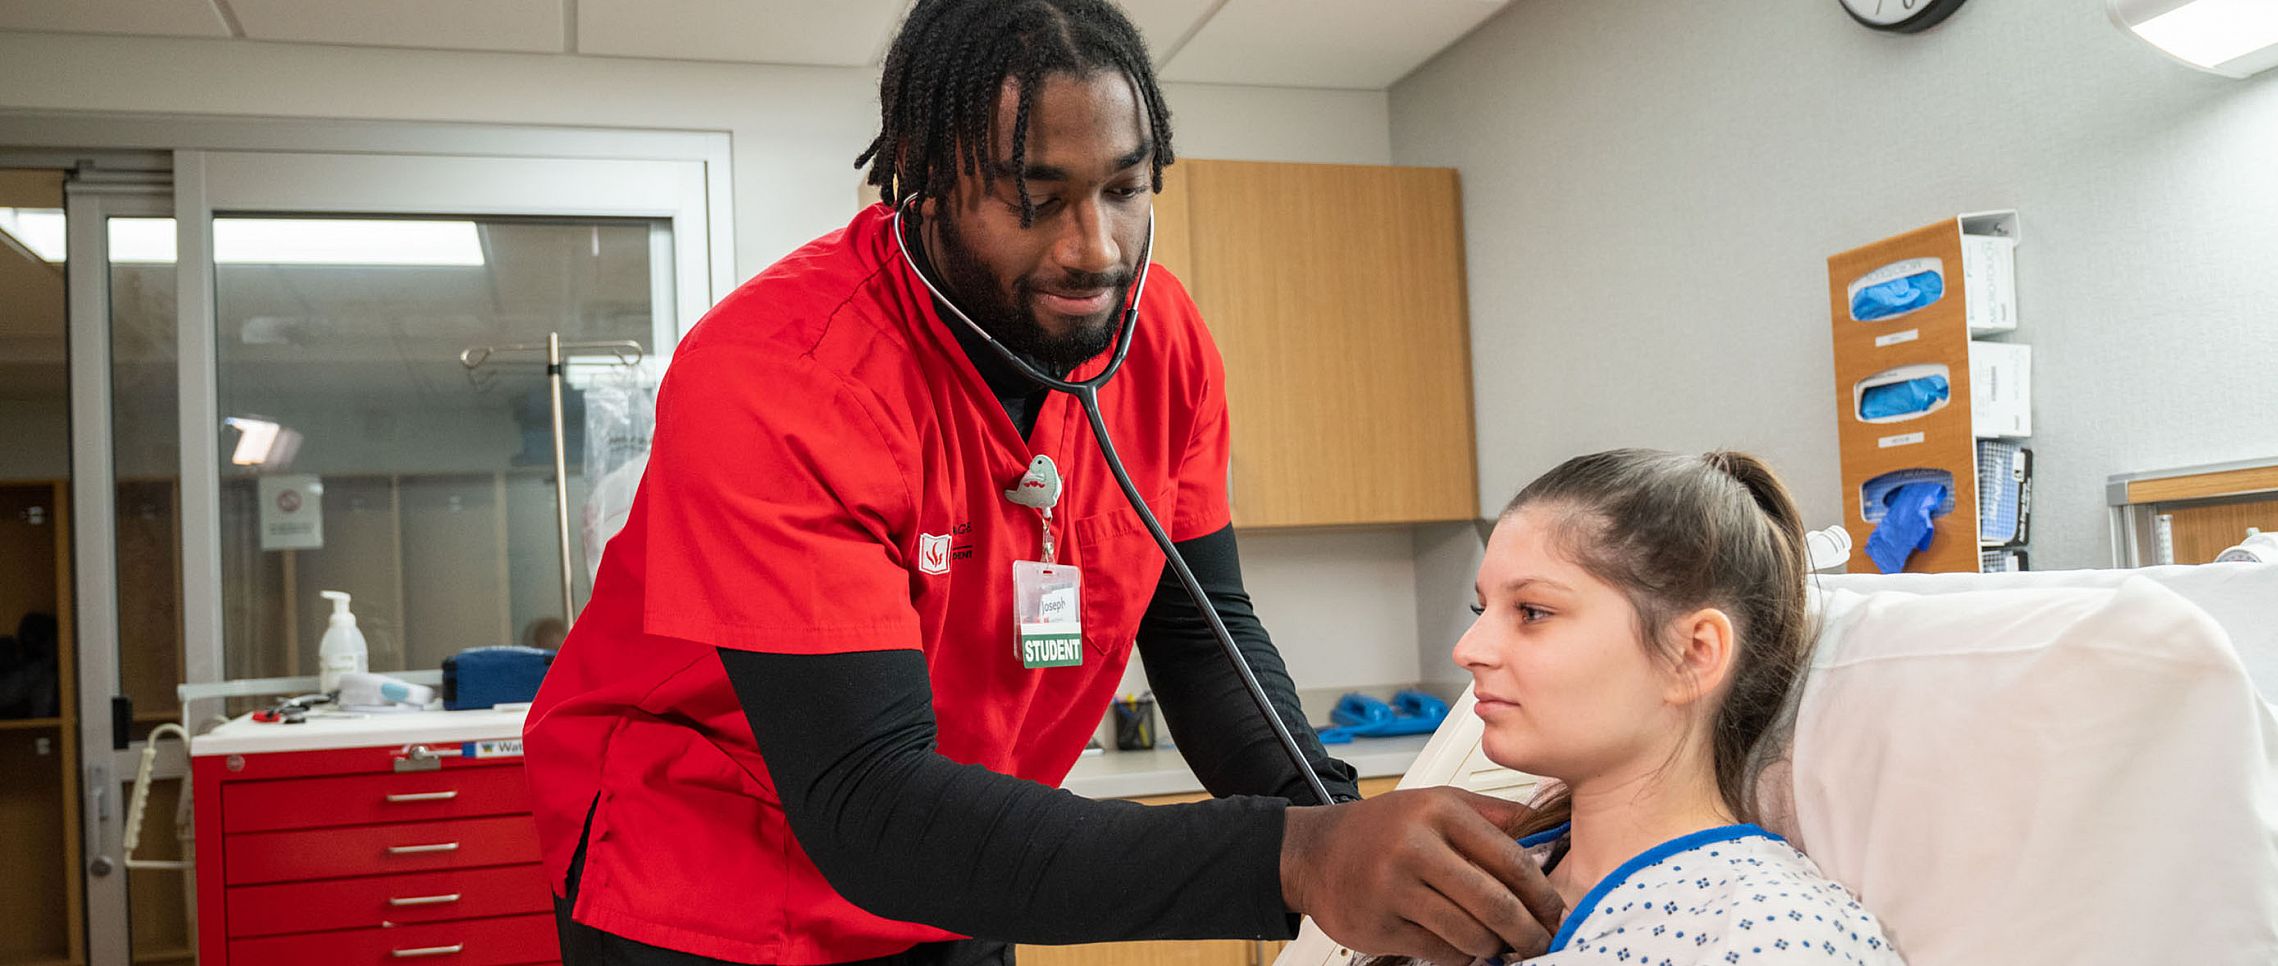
x,y
91,198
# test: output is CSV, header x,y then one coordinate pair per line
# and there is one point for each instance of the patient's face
x,y
1564,685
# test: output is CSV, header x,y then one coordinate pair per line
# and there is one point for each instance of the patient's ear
x,y
1704,649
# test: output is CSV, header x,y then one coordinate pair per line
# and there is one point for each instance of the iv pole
x,y
628,353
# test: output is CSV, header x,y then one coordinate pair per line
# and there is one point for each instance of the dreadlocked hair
x,y
937,100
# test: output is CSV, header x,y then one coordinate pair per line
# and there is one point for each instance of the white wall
x,y
796,130
1651,191
1447,560
1342,605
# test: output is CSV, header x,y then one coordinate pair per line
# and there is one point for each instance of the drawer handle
x,y
415,849
423,900
449,950
442,796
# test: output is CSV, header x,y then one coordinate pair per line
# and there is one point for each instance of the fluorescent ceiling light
x,y
263,443
142,241
38,230
2235,38
267,241
255,438
318,241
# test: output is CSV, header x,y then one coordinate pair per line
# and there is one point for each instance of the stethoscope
x,y
1087,394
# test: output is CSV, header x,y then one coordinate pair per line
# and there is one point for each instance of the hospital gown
x,y
1735,894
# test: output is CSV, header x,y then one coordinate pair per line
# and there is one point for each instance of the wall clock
x,y
1899,16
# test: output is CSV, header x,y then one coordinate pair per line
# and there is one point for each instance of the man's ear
x,y
1705,650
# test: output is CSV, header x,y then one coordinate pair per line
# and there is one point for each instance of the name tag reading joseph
x,y
1048,614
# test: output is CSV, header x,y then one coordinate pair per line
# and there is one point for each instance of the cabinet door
x,y
1336,294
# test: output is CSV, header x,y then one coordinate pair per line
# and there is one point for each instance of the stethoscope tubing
x,y
1087,395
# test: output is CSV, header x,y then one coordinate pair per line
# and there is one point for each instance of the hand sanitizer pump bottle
x,y
342,651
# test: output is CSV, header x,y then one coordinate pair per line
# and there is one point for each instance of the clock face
x,y
1903,16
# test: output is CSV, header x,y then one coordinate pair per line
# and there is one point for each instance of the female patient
x,y
1641,622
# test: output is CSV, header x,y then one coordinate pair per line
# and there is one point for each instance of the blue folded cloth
x,y
1897,296
1903,398
1906,526
1359,716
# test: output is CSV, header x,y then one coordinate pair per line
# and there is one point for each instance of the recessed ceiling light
x,y
2234,38
266,241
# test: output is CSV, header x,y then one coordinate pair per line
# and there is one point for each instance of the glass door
x,y
265,400
359,454
339,440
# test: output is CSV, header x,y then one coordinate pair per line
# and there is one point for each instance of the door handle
x,y
442,796
99,788
417,849
424,900
428,951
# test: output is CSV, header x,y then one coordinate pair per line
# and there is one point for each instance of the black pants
x,y
583,945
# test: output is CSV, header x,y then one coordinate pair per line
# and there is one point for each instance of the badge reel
x,y
1047,596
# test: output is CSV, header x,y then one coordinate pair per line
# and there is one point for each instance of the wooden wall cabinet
x,y
1336,294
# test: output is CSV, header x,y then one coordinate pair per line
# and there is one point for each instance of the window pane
x,y
362,457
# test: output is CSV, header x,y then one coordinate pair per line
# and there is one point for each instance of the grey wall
x,y
1651,191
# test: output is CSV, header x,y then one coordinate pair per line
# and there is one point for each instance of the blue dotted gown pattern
x,y
1730,895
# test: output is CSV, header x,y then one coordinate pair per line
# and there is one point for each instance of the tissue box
x,y
1989,280
2001,390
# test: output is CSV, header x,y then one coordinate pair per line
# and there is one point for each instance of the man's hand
x,y
1426,873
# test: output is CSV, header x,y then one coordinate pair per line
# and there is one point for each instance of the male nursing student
x,y
793,725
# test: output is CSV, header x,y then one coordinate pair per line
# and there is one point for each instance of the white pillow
x,y
2040,776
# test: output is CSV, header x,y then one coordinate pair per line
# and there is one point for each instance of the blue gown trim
x,y
1546,836
1683,843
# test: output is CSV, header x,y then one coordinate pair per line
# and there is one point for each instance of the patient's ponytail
x,y
1678,533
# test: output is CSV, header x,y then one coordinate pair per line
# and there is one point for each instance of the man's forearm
x,y
904,833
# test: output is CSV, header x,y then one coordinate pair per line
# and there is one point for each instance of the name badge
x,y
1048,618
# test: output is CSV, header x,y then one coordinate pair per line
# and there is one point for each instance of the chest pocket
x,y
1121,567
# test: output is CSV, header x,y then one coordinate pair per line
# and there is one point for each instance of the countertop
x,y
1113,774
1132,774
335,729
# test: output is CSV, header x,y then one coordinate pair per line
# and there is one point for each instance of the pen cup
x,y
1135,725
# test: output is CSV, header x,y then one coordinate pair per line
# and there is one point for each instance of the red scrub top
x,y
818,434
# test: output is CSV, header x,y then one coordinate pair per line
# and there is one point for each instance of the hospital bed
x,y
2072,767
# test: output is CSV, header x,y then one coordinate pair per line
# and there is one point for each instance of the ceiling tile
x,y
172,18
517,25
842,33
1362,44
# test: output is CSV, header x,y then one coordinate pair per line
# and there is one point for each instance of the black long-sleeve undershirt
x,y
905,833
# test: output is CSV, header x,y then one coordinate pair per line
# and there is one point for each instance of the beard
x,y
1010,318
